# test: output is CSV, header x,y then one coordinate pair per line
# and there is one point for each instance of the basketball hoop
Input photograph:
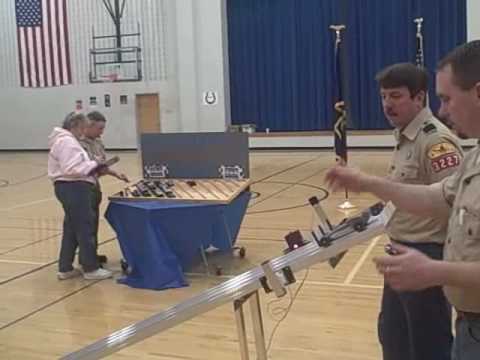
x,y
110,77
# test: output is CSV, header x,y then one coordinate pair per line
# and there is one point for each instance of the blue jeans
x,y
467,340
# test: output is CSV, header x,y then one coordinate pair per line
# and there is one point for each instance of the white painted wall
x,y
183,50
473,19
185,54
201,50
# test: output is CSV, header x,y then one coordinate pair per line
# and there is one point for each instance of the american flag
x,y
42,36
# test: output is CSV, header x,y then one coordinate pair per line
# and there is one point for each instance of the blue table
x,y
160,239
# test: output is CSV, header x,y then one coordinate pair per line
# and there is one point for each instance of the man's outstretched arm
x,y
423,200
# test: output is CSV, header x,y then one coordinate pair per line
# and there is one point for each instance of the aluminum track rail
x,y
233,289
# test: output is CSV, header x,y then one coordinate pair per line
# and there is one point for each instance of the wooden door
x,y
147,113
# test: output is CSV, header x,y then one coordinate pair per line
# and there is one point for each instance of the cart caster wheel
x,y
242,252
218,271
124,266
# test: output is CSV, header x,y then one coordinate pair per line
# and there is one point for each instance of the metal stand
x,y
203,253
257,324
346,206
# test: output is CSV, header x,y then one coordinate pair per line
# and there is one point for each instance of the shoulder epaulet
x,y
429,128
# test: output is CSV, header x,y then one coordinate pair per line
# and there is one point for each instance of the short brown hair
x,y
415,78
96,116
465,63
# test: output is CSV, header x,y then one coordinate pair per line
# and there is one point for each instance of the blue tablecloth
x,y
159,240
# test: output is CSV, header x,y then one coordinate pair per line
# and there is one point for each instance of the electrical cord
x,y
283,311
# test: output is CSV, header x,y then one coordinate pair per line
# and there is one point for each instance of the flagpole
x,y
340,126
419,51
419,55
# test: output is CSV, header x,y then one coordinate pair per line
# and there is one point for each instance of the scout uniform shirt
x,y
462,193
95,150
426,152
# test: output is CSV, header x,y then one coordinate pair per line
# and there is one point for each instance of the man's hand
x,y
340,177
122,177
409,269
102,171
119,176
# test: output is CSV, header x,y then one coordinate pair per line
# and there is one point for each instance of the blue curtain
x,y
281,56
281,61
382,32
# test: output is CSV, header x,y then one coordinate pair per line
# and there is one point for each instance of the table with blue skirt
x,y
161,239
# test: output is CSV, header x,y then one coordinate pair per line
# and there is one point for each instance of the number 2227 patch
x,y
445,162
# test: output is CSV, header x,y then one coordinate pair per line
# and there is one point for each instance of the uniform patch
x,y
443,156
441,149
445,162
429,128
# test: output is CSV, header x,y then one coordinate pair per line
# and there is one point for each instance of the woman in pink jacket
x,y
73,176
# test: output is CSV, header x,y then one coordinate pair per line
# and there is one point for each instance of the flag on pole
x,y
42,38
340,125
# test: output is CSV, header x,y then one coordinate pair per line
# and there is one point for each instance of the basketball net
x,y
110,77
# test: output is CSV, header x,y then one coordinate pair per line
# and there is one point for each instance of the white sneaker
x,y
68,274
98,274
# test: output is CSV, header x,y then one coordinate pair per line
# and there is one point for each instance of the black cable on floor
x,y
323,197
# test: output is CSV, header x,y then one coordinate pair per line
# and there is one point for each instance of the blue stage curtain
x,y
382,32
281,56
281,63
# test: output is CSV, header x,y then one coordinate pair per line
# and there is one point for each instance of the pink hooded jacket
x,y
67,160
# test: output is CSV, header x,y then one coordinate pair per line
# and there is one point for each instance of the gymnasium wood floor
x,y
333,315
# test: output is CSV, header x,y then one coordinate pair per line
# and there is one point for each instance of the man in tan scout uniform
x,y
416,325
456,198
95,149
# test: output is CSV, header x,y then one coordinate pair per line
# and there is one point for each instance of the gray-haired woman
x,y
73,176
